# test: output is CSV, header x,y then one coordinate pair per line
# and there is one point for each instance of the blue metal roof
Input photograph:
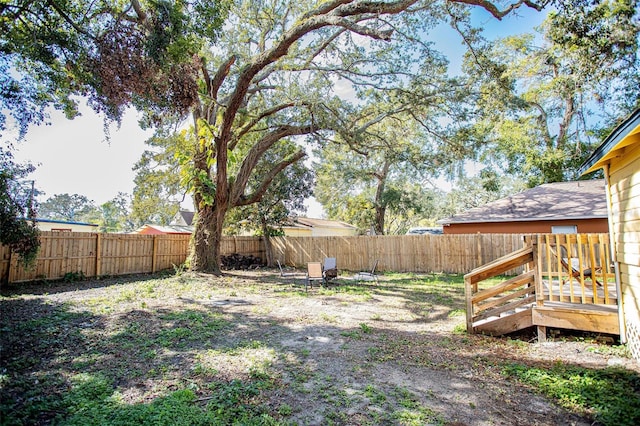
x,y
66,222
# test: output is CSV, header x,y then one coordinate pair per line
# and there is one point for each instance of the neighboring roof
x,y
627,133
585,199
169,229
66,222
306,222
187,217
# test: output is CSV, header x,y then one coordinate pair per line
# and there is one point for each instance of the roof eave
x,y
593,163
528,219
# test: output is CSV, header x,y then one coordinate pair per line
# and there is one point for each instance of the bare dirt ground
x,y
391,353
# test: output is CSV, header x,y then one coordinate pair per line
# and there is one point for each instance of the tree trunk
x,y
268,248
206,240
379,219
379,203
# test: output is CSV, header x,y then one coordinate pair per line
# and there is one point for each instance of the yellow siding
x,y
320,231
297,232
624,180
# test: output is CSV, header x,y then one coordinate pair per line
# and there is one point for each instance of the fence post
x,y
98,254
8,270
154,253
13,267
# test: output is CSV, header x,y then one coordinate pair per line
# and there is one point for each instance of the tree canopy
x,y
272,73
541,103
376,185
17,209
68,207
118,54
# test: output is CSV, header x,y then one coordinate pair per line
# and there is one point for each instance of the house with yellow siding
x,y
311,227
619,158
295,227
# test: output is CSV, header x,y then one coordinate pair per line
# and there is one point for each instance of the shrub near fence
x,y
93,254
119,254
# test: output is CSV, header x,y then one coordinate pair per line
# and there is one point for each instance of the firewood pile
x,y
240,261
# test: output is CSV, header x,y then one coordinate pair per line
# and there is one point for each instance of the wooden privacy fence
x,y
400,253
119,254
96,255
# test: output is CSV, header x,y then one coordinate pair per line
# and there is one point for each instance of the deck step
x,y
504,324
595,318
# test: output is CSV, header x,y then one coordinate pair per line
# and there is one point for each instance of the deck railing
x,y
575,268
572,268
506,296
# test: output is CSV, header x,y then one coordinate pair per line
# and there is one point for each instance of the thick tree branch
x,y
221,74
499,14
362,30
567,118
251,123
325,8
257,151
137,7
214,84
542,122
264,185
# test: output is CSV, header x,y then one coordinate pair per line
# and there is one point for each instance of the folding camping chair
x,y
314,272
572,267
285,273
329,269
368,275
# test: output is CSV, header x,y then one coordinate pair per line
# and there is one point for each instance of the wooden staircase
x,y
527,300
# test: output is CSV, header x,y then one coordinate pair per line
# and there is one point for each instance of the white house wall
x,y
68,227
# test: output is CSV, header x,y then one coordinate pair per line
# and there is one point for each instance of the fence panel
x,y
95,254
60,253
401,253
170,250
253,246
126,254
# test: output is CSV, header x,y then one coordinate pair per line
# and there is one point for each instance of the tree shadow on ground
x,y
240,353
43,287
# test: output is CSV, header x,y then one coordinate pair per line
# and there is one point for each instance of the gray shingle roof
x,y
186,218
312,222
584,199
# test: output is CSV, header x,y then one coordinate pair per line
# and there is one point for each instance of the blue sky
x,y
72,156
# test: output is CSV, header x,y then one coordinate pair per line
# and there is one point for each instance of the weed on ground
x,y
253,348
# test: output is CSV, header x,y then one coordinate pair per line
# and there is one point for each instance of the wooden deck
x,y
545,295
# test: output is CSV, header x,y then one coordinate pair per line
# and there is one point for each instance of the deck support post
x,y
542,334
468,293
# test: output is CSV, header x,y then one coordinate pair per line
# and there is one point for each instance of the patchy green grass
x,y
92,401
611,396
249,350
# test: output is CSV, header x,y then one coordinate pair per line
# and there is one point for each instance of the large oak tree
x,y
167,59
